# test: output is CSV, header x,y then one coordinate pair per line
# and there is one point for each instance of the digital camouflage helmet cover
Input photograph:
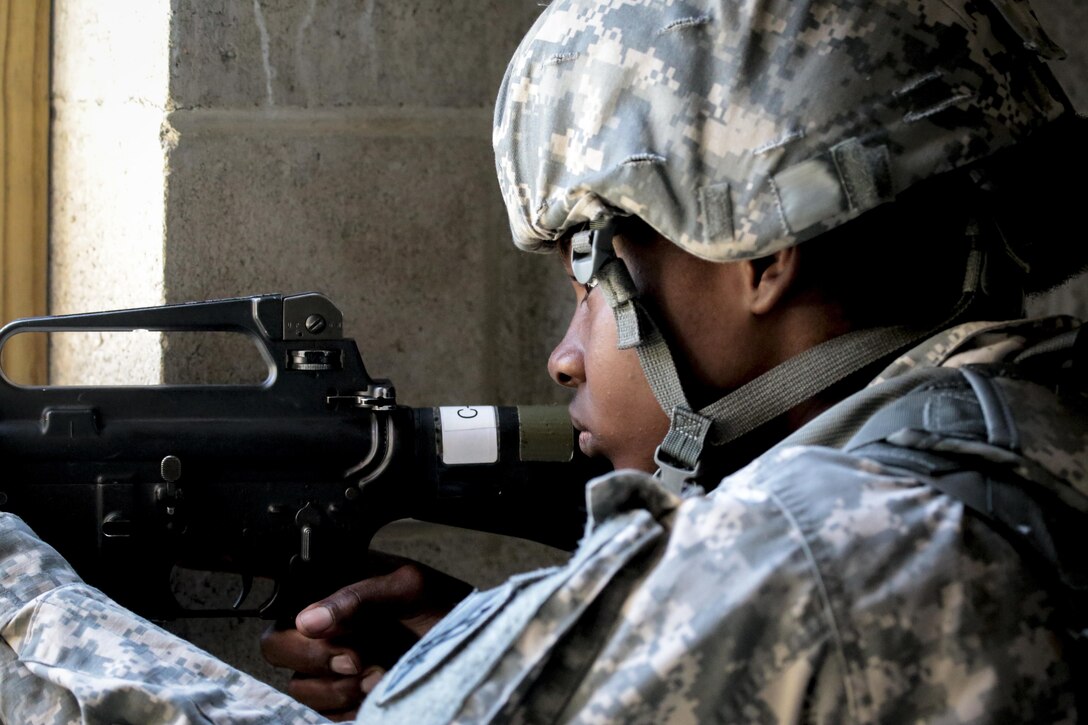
x,y
738,128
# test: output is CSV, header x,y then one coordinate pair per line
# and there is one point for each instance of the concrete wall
x,y
211,148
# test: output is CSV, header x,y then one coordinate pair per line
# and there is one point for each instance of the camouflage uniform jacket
x,y
829,581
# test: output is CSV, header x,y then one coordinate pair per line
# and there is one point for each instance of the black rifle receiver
x,y
287,479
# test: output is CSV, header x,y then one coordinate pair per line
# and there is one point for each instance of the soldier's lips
x,y
585,442
585,437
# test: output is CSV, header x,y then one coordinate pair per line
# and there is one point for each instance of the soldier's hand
x,y
342,645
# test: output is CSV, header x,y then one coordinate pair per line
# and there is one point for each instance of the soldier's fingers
x,y
290,649
371,676
326,694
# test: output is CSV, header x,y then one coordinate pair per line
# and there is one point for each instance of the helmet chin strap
x,y
679,456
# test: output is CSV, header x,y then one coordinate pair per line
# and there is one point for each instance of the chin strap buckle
x,y
678,456
674,475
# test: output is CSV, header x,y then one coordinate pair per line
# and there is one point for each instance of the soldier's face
x,y
613,408
699,303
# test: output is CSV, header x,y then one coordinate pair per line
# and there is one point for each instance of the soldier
x,y
792,230
760,208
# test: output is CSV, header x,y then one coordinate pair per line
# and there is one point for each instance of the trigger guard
x,y
247,589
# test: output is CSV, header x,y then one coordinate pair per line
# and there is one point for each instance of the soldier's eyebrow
x,y
686,23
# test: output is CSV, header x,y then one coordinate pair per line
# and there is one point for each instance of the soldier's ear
x,y
768,279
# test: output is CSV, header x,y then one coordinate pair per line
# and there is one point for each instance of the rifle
x,y
287,479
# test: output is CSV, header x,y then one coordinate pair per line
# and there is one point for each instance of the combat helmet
x,y
736,129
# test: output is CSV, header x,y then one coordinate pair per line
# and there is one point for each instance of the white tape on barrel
x,y
470,434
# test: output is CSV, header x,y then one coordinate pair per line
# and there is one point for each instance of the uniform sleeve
x,y
69,654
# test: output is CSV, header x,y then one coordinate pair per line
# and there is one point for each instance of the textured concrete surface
x,y
343,53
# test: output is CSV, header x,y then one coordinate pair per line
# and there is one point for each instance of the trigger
x,y
247,587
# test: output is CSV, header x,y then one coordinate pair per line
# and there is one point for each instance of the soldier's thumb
x,y
398,593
